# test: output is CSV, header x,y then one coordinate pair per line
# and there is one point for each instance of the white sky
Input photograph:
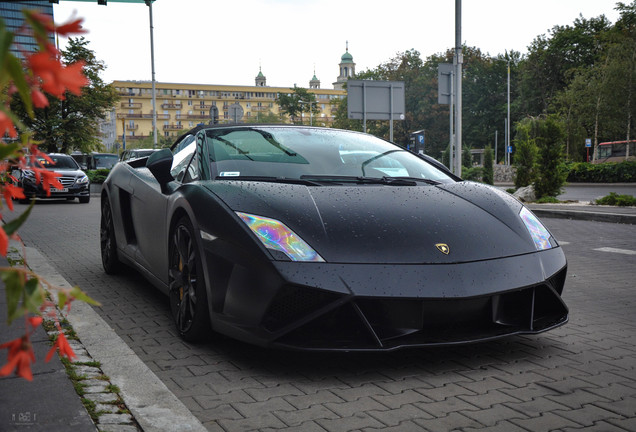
x,y
225,41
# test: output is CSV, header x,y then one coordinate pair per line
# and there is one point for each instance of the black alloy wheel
x,y
188,299
108,245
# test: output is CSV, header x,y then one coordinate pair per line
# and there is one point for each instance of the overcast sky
x,y
225,41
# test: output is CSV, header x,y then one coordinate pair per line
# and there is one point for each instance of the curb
x,y
622,218
152,405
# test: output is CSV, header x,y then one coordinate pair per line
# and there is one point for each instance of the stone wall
x,y
504,174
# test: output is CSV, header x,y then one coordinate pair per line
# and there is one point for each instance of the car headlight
x,y
82,180
28,175
540,235
275,235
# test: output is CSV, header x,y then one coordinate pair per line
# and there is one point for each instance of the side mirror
x,y
159,163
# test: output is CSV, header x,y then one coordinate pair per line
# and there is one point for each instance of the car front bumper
x,y
364,307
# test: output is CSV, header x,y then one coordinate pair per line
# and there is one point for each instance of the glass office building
x,y
11,14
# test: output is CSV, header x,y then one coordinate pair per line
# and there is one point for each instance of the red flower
x,y
65,348
71,27
20,358
4,242
56,79
6,126
38,98
10,191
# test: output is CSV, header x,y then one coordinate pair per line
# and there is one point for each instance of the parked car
x,y
74,180
102,160
297,237
135,154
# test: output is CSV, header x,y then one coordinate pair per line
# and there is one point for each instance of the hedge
x,y
608,172
97,176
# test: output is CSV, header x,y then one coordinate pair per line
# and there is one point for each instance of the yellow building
x,y
183,106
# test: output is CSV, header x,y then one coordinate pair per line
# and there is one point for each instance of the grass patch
x,y
112,388
511,190
615,199
548,200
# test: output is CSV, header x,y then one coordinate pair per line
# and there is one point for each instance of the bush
x,y
608,172
473,174
97,176
617,200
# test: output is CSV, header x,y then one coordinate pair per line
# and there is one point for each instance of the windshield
x,y
105,160
306,153
59,162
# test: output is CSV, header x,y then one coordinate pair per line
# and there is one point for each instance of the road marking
x,y
615,250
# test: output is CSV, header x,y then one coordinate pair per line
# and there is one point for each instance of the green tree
x,y
267,117
72,123
467,157
525,153
299,101
551,171
488,173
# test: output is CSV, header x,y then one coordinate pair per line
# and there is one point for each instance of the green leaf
x,y
61,299
11,227
14,67
9,149
13,287
33,296
81,295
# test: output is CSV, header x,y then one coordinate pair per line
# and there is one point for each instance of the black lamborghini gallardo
x,y
324,239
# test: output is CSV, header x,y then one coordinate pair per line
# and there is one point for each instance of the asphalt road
x,y
580,376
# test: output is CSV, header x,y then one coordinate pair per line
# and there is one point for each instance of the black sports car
x,y
324,239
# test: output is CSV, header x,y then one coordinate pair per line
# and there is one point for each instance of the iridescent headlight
x,y
276,236
540,235
82,180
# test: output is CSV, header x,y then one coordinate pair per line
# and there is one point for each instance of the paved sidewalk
x,y
50,403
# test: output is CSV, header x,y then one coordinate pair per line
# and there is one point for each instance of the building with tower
x,y
347,69
182,106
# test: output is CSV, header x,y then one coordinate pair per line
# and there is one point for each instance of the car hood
x,y
389,224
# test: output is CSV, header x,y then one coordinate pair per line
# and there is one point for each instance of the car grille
x,y
306,318
67,181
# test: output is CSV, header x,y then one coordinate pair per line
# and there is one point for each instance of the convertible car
x,y
321,239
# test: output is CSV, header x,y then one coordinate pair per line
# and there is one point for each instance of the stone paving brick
x,y
446,391
355,393
310,426
545,422
488,399
263,394
320,397
626,407
615,392
255,422
451,422
576,399
485,384
587,415
220,412
256,408
628,424
407,425
400,385
208,401
601,426
347,409
356,422
393,417
115,419
489,417
536,407
443,408
397,400
298,417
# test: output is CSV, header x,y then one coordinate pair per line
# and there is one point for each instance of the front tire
x,y
188,298
108,245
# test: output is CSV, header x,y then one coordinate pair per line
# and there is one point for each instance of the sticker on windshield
x,y
229,174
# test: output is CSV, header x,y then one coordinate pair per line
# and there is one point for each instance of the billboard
x,y
375,100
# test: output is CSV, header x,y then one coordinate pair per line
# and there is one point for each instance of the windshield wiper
x,y
386,180
287,180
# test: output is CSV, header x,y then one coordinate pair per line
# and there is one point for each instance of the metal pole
x,y
391,115
496,147
506,141
508,121
152,63
364,108
458,92
451,143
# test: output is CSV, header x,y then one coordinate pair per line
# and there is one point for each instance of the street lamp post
x,y
311,111
152,66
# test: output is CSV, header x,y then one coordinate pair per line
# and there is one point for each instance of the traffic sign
x,y
588,142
